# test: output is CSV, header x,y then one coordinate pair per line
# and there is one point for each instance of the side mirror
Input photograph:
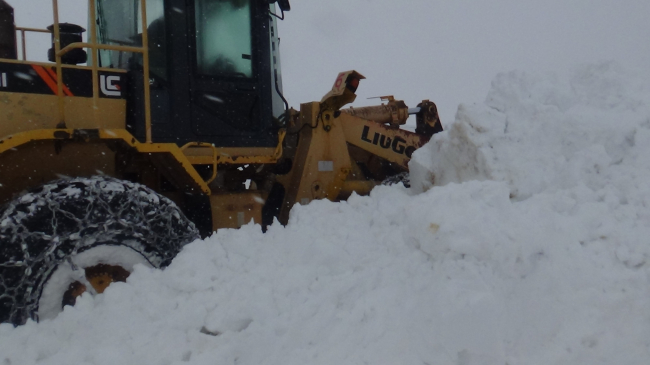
x,y
284,4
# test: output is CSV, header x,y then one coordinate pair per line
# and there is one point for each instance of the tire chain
x,y
82,213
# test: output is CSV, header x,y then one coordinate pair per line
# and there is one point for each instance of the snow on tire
x,y
60,220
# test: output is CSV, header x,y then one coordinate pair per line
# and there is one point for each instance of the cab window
x,y
120,23
223,38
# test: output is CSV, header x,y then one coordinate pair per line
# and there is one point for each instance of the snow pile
x,y
545,133
532,251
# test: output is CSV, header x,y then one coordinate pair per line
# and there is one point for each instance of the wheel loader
x,y
167,124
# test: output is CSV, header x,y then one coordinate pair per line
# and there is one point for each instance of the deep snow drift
x,y
523,241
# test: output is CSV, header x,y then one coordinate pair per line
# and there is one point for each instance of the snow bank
x,y
532,249
545,133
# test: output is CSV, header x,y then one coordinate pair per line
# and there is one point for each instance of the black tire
x,y
58,220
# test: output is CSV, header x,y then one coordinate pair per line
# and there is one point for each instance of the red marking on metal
x,y
339,81
40,70
65,88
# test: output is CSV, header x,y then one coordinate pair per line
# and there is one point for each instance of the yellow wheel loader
x,y
167,124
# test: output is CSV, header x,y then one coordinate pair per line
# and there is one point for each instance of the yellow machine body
x,y
69,126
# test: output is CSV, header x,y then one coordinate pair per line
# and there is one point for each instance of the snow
x,y
591,122
49,305
522,241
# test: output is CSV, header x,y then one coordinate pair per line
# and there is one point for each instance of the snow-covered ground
x,y
524,240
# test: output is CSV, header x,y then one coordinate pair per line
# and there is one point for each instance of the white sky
x,y
446,51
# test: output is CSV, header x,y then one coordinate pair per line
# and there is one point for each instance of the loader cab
x,y
214,74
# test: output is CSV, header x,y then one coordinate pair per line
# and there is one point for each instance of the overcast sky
x,y
446,51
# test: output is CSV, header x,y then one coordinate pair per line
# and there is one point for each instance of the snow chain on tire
x,y
45,227
402,177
